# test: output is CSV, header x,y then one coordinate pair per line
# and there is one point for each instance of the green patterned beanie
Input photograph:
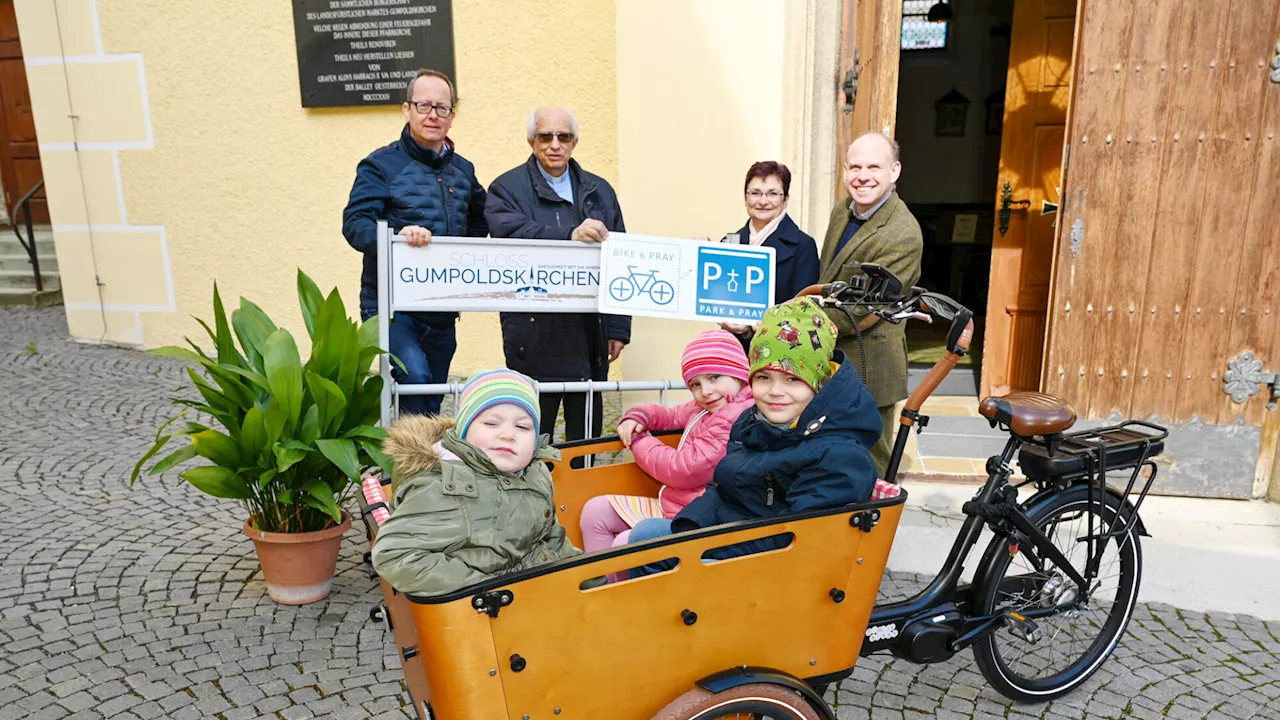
x,y
797,338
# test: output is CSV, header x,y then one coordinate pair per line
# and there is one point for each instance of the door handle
x,y
1007,203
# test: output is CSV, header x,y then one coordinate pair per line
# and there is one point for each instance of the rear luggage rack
x,y
1088,455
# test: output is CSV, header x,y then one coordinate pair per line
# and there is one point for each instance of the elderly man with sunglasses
x,y
551,197
421,187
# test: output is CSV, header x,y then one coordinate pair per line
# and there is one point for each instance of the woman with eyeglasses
x,y
766,191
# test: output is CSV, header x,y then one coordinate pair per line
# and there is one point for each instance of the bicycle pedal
x,y
1021,626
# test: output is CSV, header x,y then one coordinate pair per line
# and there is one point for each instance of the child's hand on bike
x,y
627,429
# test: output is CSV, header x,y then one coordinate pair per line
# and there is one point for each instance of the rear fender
x,y
746,675
1128,506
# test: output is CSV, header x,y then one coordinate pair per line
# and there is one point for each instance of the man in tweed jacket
x,y
873,225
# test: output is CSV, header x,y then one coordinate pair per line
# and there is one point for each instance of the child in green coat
x,y
472,498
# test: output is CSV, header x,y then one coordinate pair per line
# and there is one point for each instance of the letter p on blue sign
x,y
734,283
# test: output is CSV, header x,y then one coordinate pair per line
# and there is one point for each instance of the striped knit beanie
x,y
714,351
495,387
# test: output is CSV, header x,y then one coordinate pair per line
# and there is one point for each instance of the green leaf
x,y
374,450
220,448
273,422
227,353
342,453
218,482
284,374
253,435
373,432
231,387
137,469
329,400
175,352
365,362
310,298
181,456
253,327
161,441
266,477
322,495
309,431
289,453
335,337
253,376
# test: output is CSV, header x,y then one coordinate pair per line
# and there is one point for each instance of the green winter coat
x,y
457,520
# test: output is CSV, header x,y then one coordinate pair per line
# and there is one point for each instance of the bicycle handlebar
x,y
880,292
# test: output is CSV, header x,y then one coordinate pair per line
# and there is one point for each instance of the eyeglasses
x,y
425,108
564,137
772,195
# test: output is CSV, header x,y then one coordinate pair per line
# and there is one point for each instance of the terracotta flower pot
x,y
298,567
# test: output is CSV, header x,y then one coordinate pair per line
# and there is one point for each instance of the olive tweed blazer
x,y
890,238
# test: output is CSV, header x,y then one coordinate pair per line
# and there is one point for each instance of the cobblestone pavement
x,y
148,603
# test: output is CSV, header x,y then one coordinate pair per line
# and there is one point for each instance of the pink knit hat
x,y
714,351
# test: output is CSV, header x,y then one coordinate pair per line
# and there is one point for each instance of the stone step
x,y
20,261
29,297
25,280
9,244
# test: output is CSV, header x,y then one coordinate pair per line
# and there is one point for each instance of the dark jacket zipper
x,y
444,202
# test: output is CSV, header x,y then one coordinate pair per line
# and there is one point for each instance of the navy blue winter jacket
x,y
407,184
823,461
555,346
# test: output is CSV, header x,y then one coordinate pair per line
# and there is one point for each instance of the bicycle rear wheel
x,y
1075,642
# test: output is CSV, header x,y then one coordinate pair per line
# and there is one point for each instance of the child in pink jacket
x,y
714,368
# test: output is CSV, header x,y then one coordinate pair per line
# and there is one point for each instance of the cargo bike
x,y
761,636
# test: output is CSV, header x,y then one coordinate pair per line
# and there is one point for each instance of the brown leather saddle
x,y
1029,413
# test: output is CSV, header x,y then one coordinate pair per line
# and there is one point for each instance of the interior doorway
x,y
981,114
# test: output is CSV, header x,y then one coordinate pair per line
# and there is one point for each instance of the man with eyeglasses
x,y
874,225
551,197
421,187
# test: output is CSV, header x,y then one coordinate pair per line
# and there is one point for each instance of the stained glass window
x,y
917,32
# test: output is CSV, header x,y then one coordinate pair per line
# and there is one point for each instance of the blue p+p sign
x,y
734,283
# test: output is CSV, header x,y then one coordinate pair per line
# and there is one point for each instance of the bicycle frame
x,y
941,605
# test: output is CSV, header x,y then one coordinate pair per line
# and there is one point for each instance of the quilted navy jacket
x,y
407,184
555,346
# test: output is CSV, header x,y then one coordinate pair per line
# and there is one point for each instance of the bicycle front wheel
x,y
755,701
1073,643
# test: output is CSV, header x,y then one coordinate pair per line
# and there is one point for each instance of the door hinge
x,y
1244,377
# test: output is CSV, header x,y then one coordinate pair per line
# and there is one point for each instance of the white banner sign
x,y
685,279
453,274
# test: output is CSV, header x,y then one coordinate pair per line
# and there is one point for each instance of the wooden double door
x,y
19,151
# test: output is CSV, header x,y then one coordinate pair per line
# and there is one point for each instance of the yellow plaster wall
x,y
700,98
202,111
201,164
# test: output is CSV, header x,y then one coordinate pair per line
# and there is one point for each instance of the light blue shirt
x,y
563,185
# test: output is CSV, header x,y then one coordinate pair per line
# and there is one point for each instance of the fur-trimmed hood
x,y
413,443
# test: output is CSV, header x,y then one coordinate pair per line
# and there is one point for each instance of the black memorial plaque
x,y
362,52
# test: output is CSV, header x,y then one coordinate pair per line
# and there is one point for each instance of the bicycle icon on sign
x,y
625,287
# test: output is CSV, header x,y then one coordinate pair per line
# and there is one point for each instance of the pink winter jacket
x,y
685,470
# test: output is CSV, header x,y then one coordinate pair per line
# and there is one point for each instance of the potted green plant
x,y
294,437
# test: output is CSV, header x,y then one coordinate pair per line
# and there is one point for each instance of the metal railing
x,y
24,206
590,387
